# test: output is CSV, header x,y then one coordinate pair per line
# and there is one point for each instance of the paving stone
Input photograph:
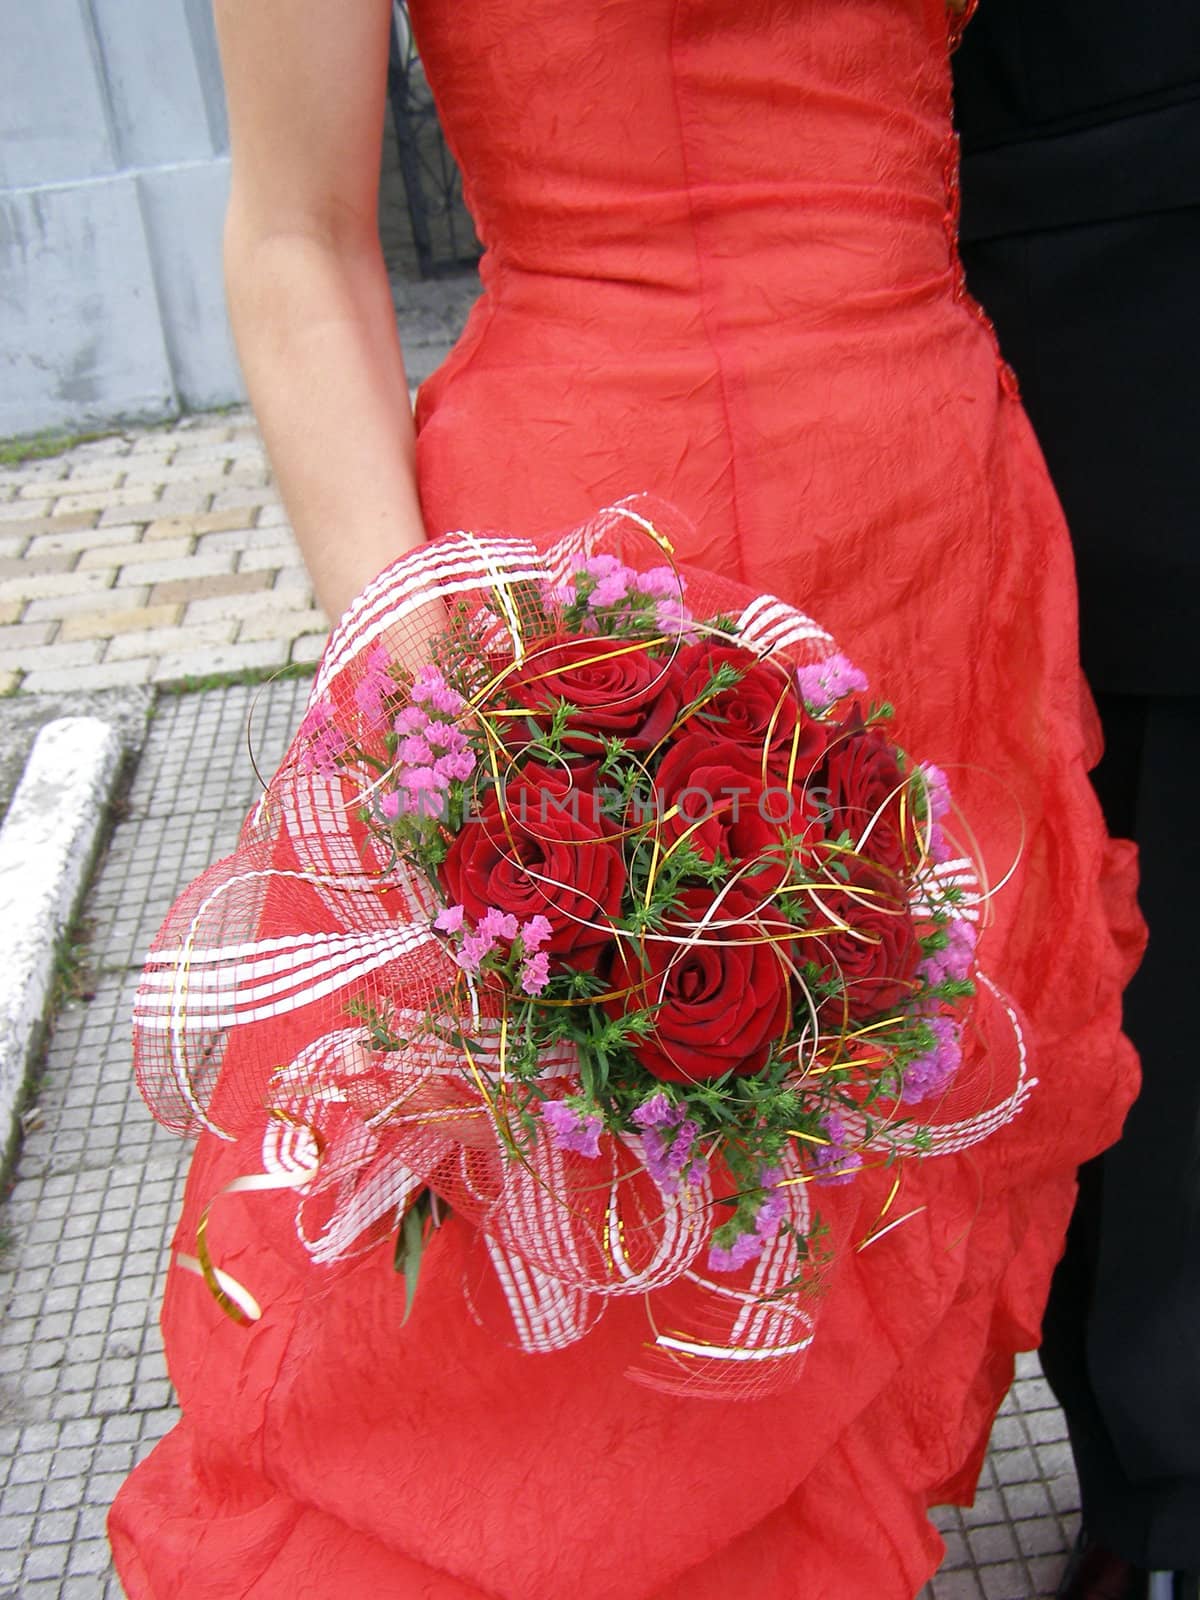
x,y
82,539
12,544
72,605
86,478
49,467
193,590
146,470
163,641
276,624
150,444
42,586
200,523
28,527
199,429
180,567
107,624
221,658
200,456
12,566
103,500
293,581
1008,1581
135,554
241,496
28,657
96,675
270,557
102,449
309,648
25,635
19,511
143,512
243,538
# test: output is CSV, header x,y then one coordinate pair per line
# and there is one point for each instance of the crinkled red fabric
x,y
720,268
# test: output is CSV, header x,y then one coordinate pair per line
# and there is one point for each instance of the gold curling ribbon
x,y
234,1299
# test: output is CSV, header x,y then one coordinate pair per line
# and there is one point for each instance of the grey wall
x,y
113,176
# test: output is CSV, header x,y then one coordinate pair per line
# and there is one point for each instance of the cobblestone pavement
x,y
83,1389
151,556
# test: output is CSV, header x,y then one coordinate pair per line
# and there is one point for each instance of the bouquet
x,y
607,913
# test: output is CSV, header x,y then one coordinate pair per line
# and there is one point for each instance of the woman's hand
x,y
308,292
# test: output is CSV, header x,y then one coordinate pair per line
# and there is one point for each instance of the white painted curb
x,y
46,847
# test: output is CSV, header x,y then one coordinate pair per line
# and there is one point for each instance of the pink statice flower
x,y
496,924
768,1218
837,1161
373,689
572,1128
937,790
956,959
731,1258
431,691
324,742
446,737
660,583
774,1207
411,720
939,845
657,1112
450,920
553,595
432,752
670,1152
535,972
471,952
415,751
534,933
493,926
612,580
672,617
930,1074
826,682
458,764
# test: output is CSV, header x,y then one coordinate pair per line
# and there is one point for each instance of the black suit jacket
x,y
1081,236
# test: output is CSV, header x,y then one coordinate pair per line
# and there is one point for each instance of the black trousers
x,y
1122,1333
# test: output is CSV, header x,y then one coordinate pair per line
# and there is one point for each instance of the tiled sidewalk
x,y
83,1391
153,556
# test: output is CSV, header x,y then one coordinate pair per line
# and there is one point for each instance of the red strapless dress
x,y
720,267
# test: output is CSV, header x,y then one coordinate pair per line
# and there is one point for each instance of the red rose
x,y
863,792
725,809
763,710
538,789
875,956
720,1002
619,692
557,866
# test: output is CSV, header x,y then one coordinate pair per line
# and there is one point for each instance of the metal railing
x,y
442,234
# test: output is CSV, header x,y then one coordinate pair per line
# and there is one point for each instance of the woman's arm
x,y
308,292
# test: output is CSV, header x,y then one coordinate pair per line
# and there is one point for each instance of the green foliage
x,y
239,676
41,446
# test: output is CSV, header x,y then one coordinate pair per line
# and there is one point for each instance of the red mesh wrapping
x,y
308,928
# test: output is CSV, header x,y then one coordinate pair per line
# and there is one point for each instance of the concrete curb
x,y
47,845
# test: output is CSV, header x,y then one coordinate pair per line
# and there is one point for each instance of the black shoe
x,y
1096,1573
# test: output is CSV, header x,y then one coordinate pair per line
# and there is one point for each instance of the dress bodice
x,y
782,158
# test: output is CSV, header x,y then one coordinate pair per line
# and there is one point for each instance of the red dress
x,y
720,267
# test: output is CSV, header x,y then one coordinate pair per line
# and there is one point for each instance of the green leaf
x,y
420,1220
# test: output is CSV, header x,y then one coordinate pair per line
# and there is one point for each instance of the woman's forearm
x,y
316,334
